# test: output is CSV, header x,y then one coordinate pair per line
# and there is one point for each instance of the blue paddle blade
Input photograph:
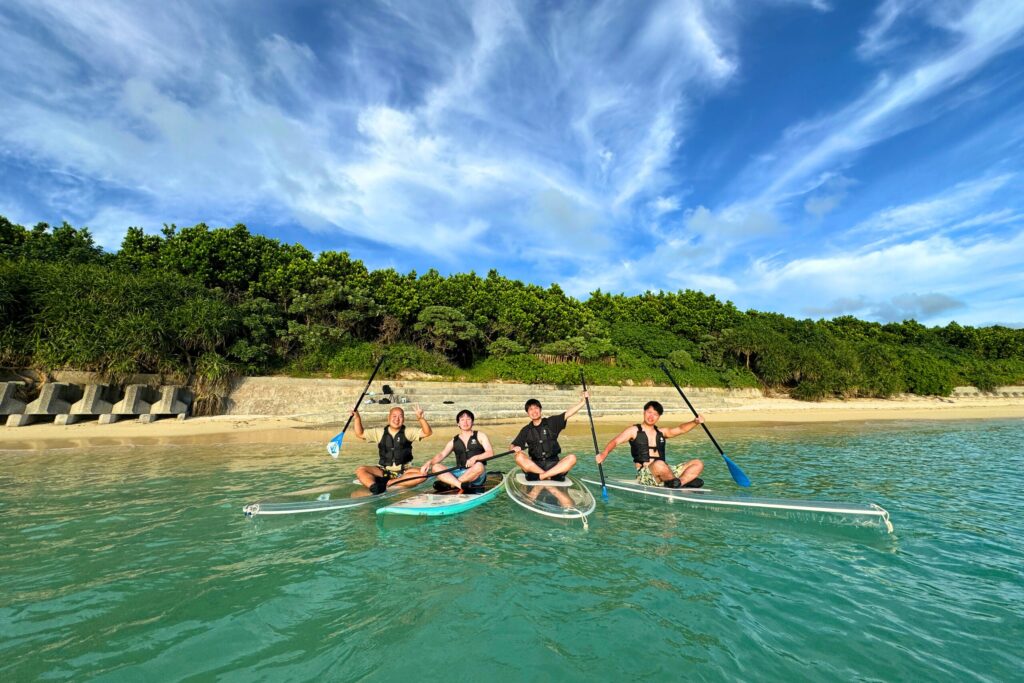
x,y
737,474
334,446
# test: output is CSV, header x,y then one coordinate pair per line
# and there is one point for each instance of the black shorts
x,y
547,464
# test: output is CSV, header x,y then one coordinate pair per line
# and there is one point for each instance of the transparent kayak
x,y
321,499
824,510
445,503
568,499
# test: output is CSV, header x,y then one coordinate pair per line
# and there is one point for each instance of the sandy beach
x,y
311,429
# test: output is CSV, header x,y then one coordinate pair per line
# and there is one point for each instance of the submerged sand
x,y
299,429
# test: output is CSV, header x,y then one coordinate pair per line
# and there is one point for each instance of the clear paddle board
x,y
321,499
568,499
819,509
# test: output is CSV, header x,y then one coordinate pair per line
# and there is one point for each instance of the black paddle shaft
x,y
360,399
452,469
593,433
692,409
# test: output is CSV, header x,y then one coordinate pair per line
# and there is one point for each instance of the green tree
x,y
139,251
447,331
64,244
12,238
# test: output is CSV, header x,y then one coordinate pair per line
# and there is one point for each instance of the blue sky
x,y
815,158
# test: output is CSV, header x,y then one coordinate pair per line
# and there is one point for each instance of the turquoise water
x,y
135,563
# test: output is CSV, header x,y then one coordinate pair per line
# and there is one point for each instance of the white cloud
x,y
982,31
290,65
109,225
663,205
830,194
511,114
953,208
888,279
879,36
732,224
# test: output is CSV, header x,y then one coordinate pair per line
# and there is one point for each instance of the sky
x,y
814,158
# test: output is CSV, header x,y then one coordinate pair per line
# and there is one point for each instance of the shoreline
x,y
300,429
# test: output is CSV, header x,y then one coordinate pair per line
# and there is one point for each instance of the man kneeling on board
x,y
540,438
394,446
470,447
647,446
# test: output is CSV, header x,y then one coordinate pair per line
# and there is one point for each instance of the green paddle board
x,y
445,503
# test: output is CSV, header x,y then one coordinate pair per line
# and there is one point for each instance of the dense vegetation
x,y
211,303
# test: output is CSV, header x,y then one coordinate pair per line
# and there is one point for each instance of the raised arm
x,y
357,424
424,425
628,434
683,427
576,408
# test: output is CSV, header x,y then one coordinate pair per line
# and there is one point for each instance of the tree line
x,y
211,303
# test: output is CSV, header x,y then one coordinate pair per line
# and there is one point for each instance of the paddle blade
x,y
334,445
737,474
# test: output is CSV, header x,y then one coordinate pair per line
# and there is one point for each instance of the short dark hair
x,y
657,407
532,402
458,417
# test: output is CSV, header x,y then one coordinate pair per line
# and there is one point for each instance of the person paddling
x,y
394,446
647,446
540,438
470,447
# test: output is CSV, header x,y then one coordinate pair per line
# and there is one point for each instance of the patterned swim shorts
x,y
646,477
394,471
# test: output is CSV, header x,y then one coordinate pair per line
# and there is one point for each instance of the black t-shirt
x,y
542,441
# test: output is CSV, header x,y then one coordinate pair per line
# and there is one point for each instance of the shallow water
x,y
136,563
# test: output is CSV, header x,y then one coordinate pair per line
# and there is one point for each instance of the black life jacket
x,y
541,442
641,449
394,450
464,452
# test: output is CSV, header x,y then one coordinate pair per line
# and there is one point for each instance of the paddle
x,y
452,469
334,445
593,432
737,474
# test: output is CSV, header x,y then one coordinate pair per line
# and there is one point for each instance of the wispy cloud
x,y
922,278
829,195
979,32
954,208
492,111
879,37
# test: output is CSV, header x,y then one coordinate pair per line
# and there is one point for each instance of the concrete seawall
x,y
330,400
319,400
78,396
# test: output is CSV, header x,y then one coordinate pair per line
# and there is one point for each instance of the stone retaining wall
x,y
319,400
331,399
322,399
78,396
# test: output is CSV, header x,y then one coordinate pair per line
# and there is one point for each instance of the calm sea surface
x,y
124,563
